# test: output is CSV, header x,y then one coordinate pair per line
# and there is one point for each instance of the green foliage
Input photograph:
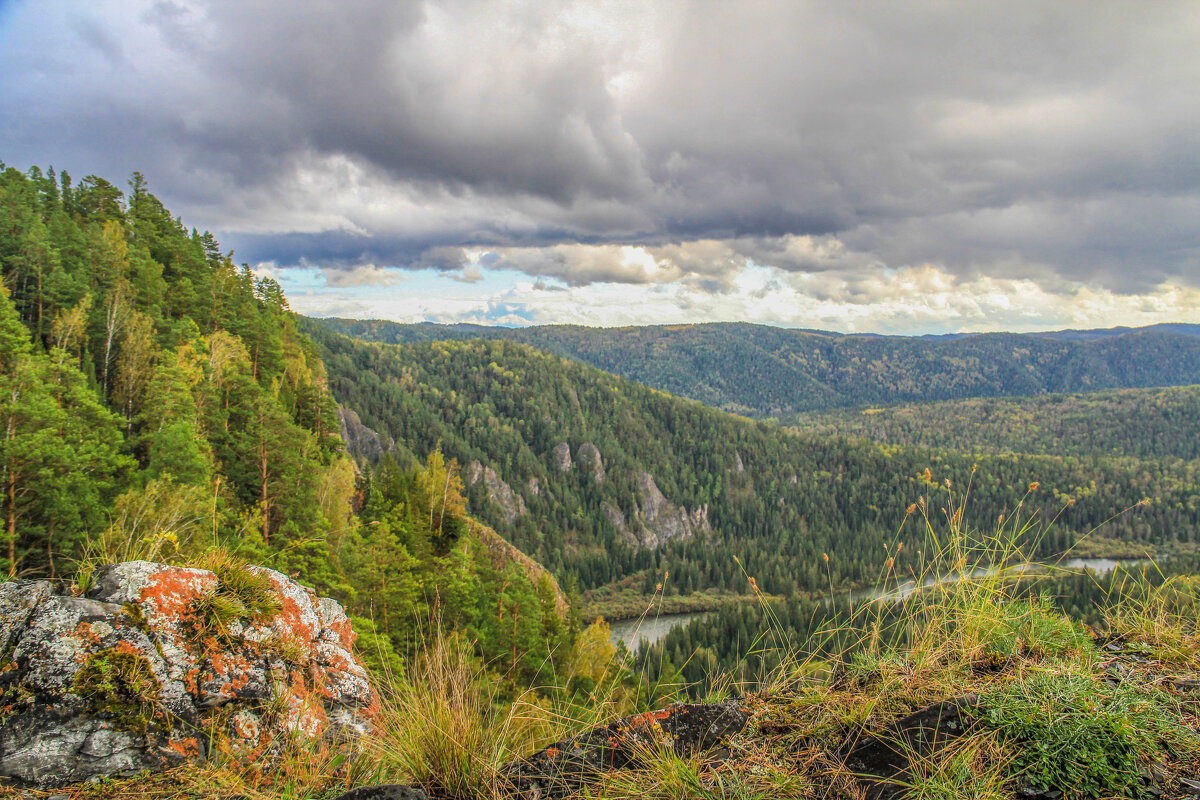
x,y
762,371
1080,735
416,569
376,650
797,499
121,686
60,452
135,352
1142,424
241,594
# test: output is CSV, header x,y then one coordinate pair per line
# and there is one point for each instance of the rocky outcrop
x,y
617,519
535,487
361,441
142,671
500,493
511,504
561,457
567,765
590,460
656,519
882,759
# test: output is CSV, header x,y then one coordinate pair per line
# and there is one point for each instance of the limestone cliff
x,y
361,441
655,519
591,460
511,504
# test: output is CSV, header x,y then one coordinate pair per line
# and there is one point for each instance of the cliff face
x,y
137,672
655,519
361,441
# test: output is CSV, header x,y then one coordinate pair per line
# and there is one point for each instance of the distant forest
x,y
761,371
778,503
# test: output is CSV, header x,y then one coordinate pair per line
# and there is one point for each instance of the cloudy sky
x,y
901,167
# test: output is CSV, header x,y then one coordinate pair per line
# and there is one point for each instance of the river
x,y
651,629
633,632
1101,566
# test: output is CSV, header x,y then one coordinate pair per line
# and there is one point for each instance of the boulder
x,y
134,676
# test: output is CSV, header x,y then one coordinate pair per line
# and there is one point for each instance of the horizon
x,y
799,329
897,169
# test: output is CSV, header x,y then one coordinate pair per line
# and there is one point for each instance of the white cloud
x,y
907,301
670,147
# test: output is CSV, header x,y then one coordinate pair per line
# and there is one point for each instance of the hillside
x,y
761,371
161,404
158,403
612,484
1146,423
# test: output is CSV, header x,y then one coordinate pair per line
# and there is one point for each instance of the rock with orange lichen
x,y
565,766
85,693
131,677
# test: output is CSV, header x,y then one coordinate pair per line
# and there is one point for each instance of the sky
x,y
893,167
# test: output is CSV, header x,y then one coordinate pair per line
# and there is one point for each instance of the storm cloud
x,y
638,143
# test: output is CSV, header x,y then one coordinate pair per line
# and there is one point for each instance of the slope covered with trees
x,y
158,401
762,371
1146,423
139,357
777,504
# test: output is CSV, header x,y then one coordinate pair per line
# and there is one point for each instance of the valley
x,y
625,492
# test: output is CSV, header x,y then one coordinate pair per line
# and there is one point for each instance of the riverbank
x,y
658,618
629,603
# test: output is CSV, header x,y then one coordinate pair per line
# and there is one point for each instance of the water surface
x,y
648,630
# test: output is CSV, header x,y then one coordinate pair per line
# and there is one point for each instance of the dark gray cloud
x,y
1026,139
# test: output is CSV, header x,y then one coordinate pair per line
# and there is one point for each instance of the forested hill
x,y
158,403
607,481
154,393
1147,423
762,371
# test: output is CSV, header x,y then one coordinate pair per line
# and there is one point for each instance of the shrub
x,y
241,594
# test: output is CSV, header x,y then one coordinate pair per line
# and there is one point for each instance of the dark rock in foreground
x,y
141,674
386,792
881,759
565,766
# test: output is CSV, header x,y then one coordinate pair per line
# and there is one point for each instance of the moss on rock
x,y
121,685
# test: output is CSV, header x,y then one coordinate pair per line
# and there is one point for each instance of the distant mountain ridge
x,y
763,371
